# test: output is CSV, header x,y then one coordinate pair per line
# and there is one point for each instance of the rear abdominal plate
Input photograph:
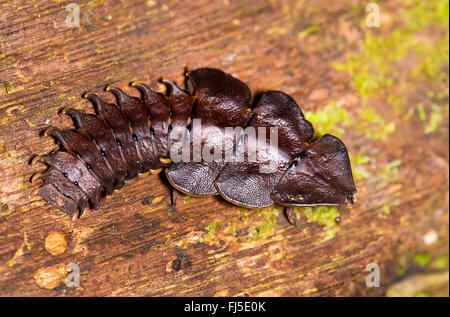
x,y
321,176
243,183
220,101
76,172
87,152
65,187
57,199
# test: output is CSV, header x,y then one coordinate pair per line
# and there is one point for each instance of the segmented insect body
x,y
140,135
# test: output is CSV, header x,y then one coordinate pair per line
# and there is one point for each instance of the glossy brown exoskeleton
x,y
136,136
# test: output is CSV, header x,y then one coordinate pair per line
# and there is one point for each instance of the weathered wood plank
x,y
135,245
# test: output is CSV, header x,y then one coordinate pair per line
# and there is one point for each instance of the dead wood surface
x,y
135,245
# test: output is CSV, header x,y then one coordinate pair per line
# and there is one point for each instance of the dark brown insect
x,y
138,135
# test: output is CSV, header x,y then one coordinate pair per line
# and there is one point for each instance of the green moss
x,y
297,213
400,271
373,125
384,174
398,102
433,118
385,211
435,58
230,229
307,31
440,263
361,159
421,111
436,118
325,216
329,119
380,64
371,69
423,14
359,163
244,214
375,66
389,171
360,172
186,199
211,229
403,260
421,259
263,228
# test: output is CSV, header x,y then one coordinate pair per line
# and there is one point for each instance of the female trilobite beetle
x,y
136,136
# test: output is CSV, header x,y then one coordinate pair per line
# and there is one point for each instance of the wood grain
x,y
135,244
